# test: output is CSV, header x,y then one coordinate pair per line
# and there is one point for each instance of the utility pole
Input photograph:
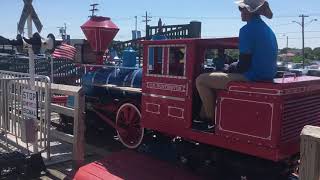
x,y
147,19
302,24
63,31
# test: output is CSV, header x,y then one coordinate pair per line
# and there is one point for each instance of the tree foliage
x,y
297,59
316,53
310,54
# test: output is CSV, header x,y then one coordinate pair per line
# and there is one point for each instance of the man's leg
x,y
208,83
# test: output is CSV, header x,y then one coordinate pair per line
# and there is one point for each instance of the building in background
x,y
136,34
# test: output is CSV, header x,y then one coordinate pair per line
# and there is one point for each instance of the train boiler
x,y
127,74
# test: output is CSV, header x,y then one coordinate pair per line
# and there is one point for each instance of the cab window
x,y
219,59
155,65
177,61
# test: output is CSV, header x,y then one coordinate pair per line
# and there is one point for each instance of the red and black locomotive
x,y
256,122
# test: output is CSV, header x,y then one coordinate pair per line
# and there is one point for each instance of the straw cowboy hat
x,y
260,7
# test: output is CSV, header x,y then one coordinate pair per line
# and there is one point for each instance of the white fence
x,y
13,121
13,118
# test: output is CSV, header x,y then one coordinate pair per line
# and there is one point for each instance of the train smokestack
x,y
100,32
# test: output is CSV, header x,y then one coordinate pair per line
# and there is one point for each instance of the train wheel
x,y
129,118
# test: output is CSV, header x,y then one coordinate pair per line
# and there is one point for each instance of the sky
x,y
220,18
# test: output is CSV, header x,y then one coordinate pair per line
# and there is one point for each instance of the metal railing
x,y
12,119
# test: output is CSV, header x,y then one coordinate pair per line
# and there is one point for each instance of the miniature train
x,y
255,121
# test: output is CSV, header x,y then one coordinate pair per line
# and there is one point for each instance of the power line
x,y
176,17
317,37
285,24
215,17
210,17
122,19
299,32
205,18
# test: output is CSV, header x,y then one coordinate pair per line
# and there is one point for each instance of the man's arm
x,y
246,44
244,63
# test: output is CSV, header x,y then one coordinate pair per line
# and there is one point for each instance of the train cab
x,y
263,119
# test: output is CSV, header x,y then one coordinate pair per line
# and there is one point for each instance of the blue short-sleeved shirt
x,y
257,39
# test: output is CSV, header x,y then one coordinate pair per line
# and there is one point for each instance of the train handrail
x,y
289,74
119,88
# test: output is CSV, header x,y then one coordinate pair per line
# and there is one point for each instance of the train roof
x,y
229,43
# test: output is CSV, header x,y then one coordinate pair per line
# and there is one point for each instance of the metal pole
x,y
51,65
147,19
31,72
287,42
146,23
31,54
303,58
302,26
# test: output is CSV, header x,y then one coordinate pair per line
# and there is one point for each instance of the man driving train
x,y
257,61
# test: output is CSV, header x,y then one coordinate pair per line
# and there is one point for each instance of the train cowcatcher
x,y
255,121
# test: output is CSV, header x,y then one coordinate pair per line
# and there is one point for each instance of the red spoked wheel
x,y
129,119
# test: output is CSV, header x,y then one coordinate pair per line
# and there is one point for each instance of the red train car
x,y
259,119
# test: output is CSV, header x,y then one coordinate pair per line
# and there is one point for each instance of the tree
x,y
308,53
233,53
284,50
316,53
210,53
297,59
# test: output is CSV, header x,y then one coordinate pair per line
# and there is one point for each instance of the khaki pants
x,y
207,84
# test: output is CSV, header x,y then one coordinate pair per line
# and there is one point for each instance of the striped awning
x,y
64,51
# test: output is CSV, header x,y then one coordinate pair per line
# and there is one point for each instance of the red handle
x,y
289,74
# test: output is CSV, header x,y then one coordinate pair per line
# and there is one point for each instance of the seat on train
x,y
250,87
